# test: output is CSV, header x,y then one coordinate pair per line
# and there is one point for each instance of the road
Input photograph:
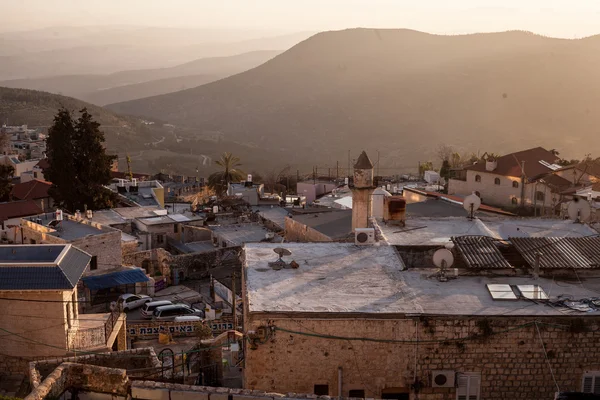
x,y
176,294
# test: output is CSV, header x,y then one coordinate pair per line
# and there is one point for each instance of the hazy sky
x,y
562,18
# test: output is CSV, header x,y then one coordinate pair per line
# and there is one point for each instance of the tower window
x,y
515,184
477,178
497,181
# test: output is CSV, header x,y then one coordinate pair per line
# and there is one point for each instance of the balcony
x,y
99,332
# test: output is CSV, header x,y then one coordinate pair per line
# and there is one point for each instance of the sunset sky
x,y
560,18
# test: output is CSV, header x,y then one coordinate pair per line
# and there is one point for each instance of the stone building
x,y
362,190
103,243
528,178
39,307
354,321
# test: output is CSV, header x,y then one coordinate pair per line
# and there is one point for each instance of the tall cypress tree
x,y
59,150
79,165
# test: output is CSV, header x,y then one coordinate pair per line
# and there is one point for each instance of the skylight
x,y
501,292
532,292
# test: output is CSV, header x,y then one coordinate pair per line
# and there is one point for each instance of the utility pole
x,y
233,307
337,171
314,175
378,163
297,176
329,173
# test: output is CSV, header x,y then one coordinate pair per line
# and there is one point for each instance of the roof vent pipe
x,y
536,266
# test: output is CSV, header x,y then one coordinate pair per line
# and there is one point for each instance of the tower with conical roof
x,y
362,190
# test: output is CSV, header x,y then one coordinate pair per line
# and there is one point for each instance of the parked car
x,y
188,318
131,301
148,310
168,313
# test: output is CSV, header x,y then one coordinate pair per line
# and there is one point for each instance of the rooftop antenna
x,y
471,203
579,211
443,258
129,173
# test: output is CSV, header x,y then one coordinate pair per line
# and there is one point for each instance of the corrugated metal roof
x,y
583,252
73,264
480,252
117,278
61,276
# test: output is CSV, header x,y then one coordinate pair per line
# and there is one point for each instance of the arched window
x,y
539,196
477,178
497,181
515,184
515,201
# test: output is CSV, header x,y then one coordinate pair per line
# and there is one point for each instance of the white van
x,y
170,312
147,311
188,318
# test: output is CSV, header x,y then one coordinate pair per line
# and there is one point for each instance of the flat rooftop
x,y
344,278
423,231
336,224
168,219
68,229
238,234
274,214
122,215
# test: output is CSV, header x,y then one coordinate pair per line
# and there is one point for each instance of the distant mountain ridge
x,y
403,92
134,84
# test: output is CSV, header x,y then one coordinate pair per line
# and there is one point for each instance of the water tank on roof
x,y
491,164
394,210
378,199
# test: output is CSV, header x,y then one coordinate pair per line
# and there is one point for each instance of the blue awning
x,y
113,279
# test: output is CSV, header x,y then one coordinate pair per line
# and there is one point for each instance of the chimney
x,y
362,191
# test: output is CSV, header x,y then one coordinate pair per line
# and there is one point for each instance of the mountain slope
x,y
403,92
37,109
86,57
152,147
125,85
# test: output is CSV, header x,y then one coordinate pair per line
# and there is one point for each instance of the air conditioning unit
x,y
364,236
442,379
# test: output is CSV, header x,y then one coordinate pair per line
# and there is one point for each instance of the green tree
x,y
218,181
425,166
445,170
6,174
79,166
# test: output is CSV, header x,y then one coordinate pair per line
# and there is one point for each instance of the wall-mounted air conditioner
x,y
442,378
364,236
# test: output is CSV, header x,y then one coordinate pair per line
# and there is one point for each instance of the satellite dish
x,y
280,251
508,230
579,210
471,203
443,258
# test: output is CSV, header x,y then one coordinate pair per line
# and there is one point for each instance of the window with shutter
x,y
591,383
468,386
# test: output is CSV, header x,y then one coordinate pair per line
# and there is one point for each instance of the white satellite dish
x,y
579,210
508,230
471,203
443,258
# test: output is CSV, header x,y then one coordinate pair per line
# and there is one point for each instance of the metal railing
x,y
96,336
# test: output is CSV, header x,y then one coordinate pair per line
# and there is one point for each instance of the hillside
x,y
135,84
37,109
152,147
402,92
89,56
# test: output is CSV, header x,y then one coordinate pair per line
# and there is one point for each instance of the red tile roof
x,y
43,164
34,189
510,164
18,209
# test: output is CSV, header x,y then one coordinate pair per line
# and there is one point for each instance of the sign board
x,y
160,284
151,329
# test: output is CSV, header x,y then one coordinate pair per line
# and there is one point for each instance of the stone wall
x,y
196,234
507,352
106,246
194,265
296,231
83,377
41,317
135,359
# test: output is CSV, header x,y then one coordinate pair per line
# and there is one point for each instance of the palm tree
x,y
219,181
